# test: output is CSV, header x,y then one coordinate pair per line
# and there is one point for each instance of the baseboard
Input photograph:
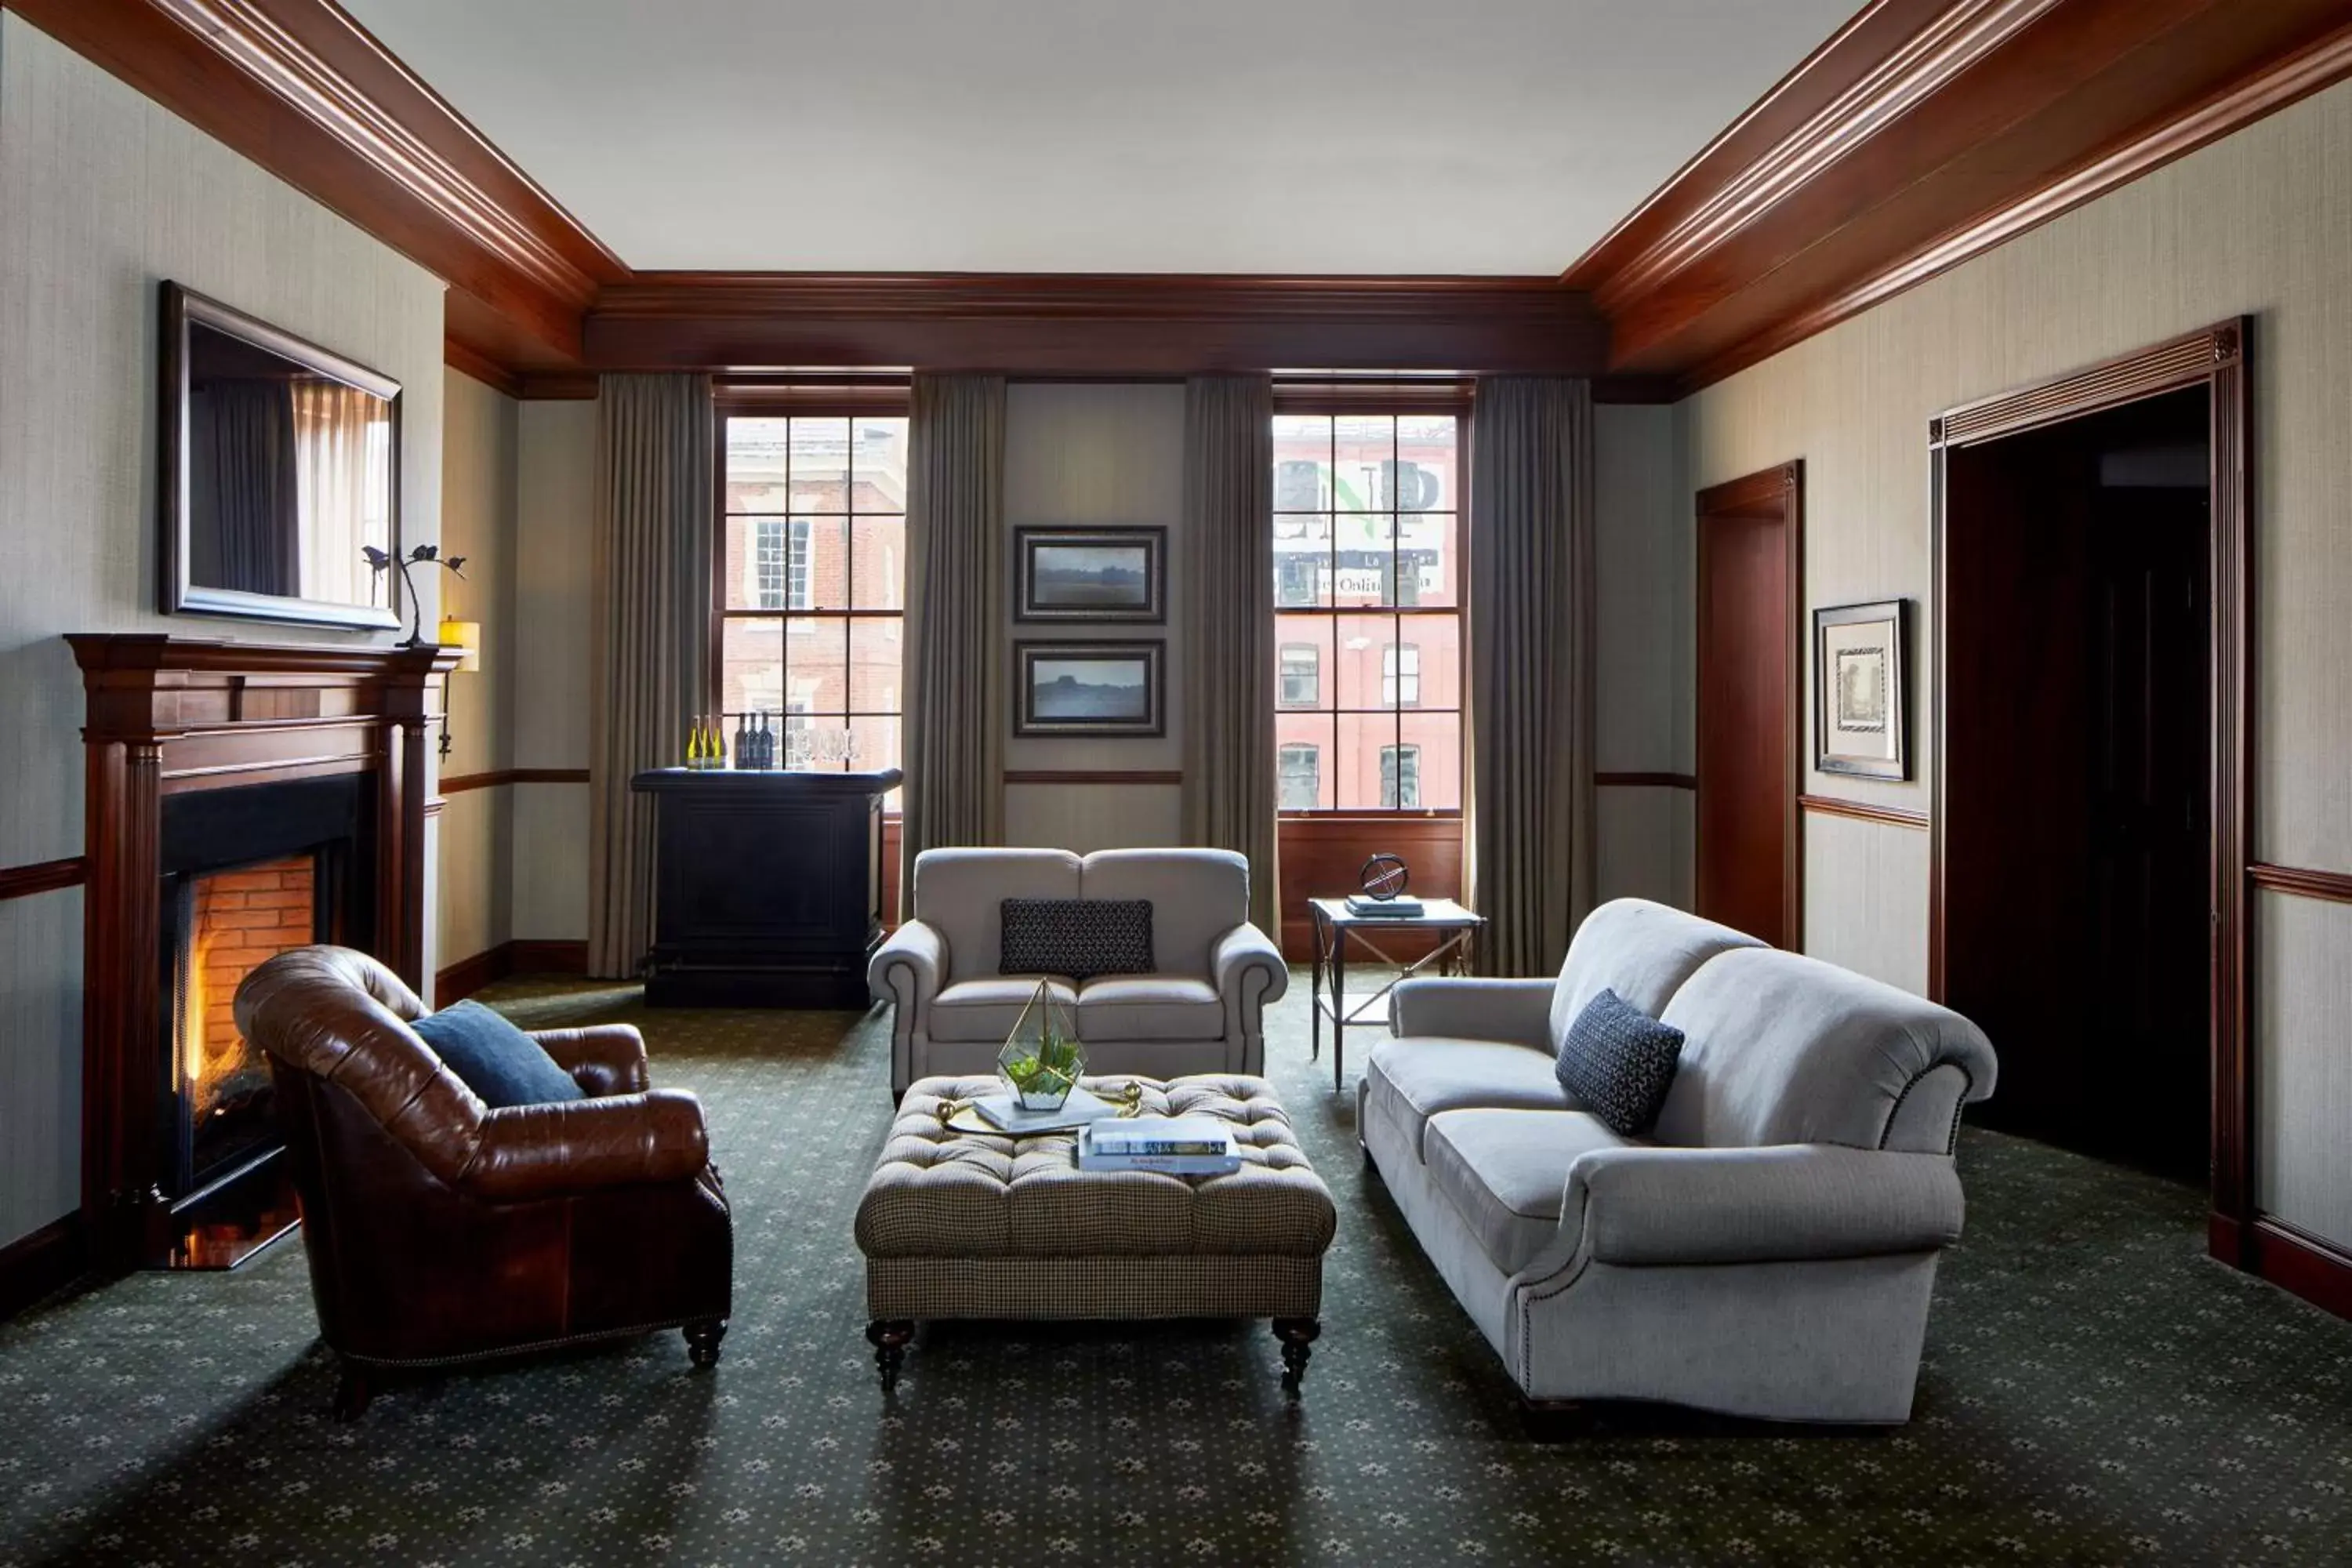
x,y
34,1265
2296,1260
468,976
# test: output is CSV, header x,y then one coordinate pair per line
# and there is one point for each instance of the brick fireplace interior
x,y
236,919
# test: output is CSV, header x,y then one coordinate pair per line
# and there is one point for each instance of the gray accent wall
x,y
104,195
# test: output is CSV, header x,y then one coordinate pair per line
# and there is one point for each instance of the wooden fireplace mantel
x,y
169,714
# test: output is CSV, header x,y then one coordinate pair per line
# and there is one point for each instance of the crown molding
x,y
1925,133
1081,323
303,90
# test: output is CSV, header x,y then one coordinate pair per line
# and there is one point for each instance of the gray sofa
x,y
1768,1253
1201,1011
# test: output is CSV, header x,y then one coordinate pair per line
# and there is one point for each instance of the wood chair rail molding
x,y
1645,780
2302,882
1863,811
461,783
1923,133
42,877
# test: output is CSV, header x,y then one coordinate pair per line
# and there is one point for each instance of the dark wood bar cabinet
x,y
767,886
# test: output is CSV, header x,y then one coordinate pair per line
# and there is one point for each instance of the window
x,y
811,614
779,564
1302,675
1368,611
1302,777
1400,675
1401,777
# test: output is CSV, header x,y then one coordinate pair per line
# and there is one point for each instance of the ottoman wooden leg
x,y
889,1336
1297,1335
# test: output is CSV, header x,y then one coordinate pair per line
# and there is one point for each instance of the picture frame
x,y
1861,689
1097,575
1102,690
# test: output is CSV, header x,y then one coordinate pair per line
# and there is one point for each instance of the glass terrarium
x,y
1041,1058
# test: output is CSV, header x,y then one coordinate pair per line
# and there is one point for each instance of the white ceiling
x,y
1297,136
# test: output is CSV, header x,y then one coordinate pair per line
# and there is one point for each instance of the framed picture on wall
x,y
1091,574
1089,688
1859,718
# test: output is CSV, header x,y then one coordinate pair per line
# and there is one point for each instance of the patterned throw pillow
x,y
1080,938
1619,1062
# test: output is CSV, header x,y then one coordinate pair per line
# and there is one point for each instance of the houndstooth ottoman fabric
x,y
959,1224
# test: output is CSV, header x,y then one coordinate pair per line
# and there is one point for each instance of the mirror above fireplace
x,y
280,474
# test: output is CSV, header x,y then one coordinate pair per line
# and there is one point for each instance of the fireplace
x,y
241,799
247,873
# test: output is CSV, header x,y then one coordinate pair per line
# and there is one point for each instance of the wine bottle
x,y
694,743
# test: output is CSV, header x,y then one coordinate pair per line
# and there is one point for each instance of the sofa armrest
x,y
553,1151
1518,1011
910,969
602,1058
1785,1202
1248,971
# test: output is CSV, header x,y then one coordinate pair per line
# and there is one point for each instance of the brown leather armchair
x,y
440,1230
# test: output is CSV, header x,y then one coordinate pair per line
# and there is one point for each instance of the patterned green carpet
x,y
2096,1394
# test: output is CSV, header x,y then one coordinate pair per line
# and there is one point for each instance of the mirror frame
x,y
183,308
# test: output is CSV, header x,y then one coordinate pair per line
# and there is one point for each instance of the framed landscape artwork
x,y
1860,719
1091,574
1104,689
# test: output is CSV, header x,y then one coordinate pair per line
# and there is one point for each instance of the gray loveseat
x,y
1769,1252
1201,1012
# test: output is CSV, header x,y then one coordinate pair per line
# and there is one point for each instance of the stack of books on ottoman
x,y
1173,1145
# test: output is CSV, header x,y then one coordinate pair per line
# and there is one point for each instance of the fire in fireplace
x,y
234,919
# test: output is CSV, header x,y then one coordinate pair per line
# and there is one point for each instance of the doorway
x,y
2089,850
1750,708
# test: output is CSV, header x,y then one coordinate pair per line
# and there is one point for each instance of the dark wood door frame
x,y
2215,359
1776,492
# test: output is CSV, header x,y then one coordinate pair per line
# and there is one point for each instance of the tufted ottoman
x,y
957,1225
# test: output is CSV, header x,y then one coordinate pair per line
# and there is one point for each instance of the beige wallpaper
x,y
2262,224
104,195
1079,453
1642,611
476,846
554,493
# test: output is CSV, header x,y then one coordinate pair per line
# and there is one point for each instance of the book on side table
x,y
1173,1145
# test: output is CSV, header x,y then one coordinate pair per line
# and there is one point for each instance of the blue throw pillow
x,y
496,1060
1620,1062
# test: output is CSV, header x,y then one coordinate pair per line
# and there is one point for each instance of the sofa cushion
x,y
1619,1062
503,1066
960,894
986,1009
1782,1048
1077,937
1506,1172
1196,895
1149,1007
1641,951
1415,1078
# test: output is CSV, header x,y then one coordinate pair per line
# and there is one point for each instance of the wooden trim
x,y
42,877
1388,395
2216,357
2302,882
2296,1260
1640,781
559,387
469,360
1092,323
303,90
892,394
35,1267
1863,811
1093,776
1922,134
459,784
1775,493
456,982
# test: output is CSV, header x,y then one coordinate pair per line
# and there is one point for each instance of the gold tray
x,y
963,1116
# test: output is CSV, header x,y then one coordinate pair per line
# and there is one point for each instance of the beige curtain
x,y
1529,834
955,715
342,477
1229,783
650,635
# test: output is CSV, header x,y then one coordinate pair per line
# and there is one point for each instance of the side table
x,y
1336,925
